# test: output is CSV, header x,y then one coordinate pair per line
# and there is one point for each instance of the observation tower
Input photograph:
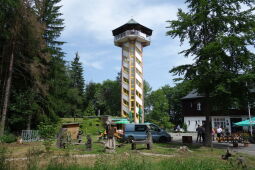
x,y
132,37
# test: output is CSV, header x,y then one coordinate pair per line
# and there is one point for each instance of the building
x,y
132,37
193,112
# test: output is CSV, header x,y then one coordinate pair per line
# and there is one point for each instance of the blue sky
x,y
88,26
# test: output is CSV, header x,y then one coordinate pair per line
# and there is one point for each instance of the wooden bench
x,y
148,142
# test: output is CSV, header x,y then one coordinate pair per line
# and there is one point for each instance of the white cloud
x,y
93,60
99,17
88,29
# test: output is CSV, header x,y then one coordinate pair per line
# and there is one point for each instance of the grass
x,y
124,158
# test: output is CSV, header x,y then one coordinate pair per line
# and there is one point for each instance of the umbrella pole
x,y
249,111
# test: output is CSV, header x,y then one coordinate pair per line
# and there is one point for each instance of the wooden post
x,y
89,143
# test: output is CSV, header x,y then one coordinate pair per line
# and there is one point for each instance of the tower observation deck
x,y
132,37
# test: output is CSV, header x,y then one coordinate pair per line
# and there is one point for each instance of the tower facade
x,y
132,37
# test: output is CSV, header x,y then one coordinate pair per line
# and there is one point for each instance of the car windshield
x,y
154,127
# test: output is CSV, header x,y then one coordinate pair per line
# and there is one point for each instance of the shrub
x,y
47,133
8,138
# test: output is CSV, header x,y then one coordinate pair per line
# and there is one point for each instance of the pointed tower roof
x,y
132,24
132,21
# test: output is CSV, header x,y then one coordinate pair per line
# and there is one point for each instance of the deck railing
x,y
132,32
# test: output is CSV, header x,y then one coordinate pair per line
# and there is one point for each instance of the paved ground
x,y
177,137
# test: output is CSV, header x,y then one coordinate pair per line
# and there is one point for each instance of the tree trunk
x,y
208,122
208,131
29,122
6,94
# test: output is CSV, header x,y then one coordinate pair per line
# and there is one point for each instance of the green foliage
x,y
25,108
77,75
48,133
159,108
104,97
91,126
90,110
164,106
8,138
146,93
220,34
185,127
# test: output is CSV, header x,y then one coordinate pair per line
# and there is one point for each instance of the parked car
x,y
138,132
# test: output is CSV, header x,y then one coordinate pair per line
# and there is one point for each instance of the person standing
x,y
213,134
219,132
203,132
199,133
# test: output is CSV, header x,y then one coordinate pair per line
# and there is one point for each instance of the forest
x,y
39,85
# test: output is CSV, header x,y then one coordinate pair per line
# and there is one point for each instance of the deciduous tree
x,y
219,34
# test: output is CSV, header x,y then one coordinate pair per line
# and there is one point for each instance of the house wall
x,y
193,121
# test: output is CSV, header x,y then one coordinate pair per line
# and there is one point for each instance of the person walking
x,y
199,133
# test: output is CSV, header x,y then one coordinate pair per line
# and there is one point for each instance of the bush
x,y
8,138
185,127
47,133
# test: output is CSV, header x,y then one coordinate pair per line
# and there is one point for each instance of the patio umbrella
x,y
122,122
246,122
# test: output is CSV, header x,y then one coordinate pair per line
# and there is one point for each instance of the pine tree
x,y
77,75
23,64
58,78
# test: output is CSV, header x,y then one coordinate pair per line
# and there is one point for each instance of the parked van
x,y
138,132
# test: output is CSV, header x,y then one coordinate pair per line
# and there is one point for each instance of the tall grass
x,y
139,163
33,158
4,164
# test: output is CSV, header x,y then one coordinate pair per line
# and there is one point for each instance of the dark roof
x,y
132,24
193,94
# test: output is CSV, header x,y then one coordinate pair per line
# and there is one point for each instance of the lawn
x,y
162,156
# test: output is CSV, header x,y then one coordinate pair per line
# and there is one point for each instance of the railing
x,y
132,32
30,135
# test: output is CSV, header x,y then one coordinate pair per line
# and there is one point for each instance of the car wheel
x,y
163,139
129,139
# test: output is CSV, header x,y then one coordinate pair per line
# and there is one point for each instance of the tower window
x,y
125,112
138,83
125,102
198,106
125,69
138,94
125,80
125,91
